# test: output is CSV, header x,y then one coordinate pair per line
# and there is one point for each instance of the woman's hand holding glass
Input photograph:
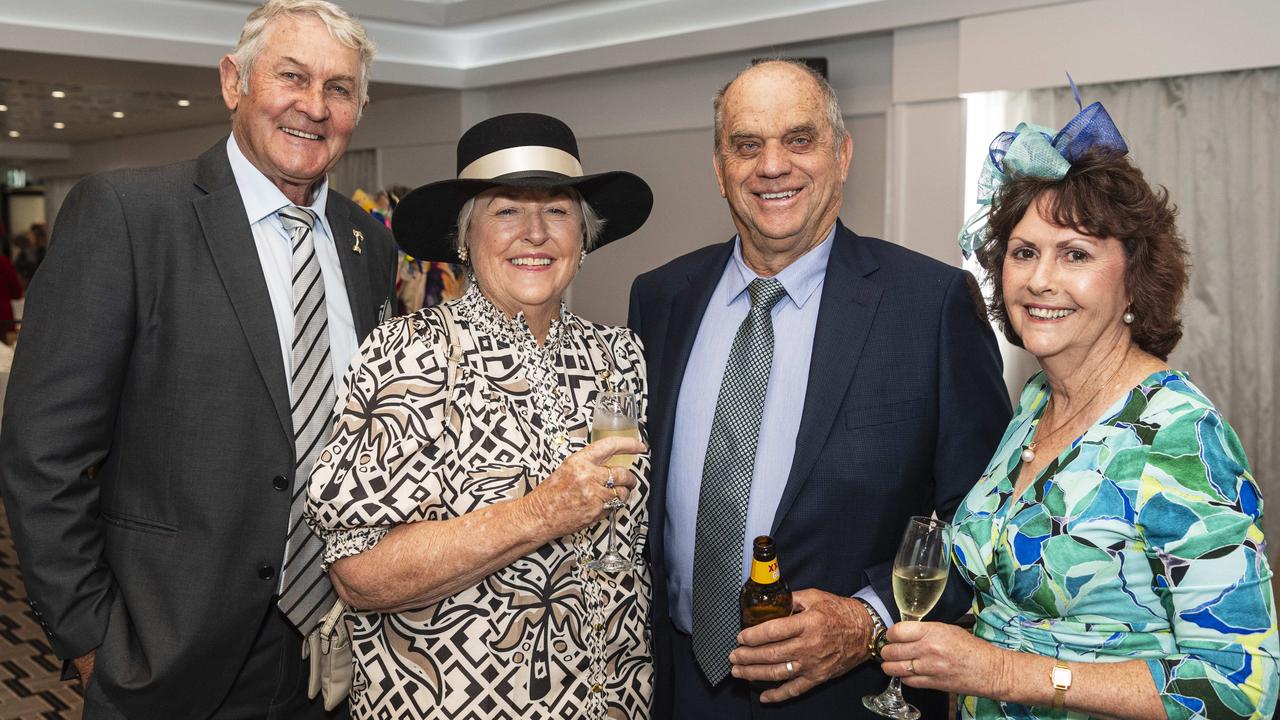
x,y
919,576
576,494
944,657
615,415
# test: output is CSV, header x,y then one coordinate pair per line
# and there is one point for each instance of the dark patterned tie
x,y
306,593
726,484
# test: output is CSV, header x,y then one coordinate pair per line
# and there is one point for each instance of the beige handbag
x,y
329,649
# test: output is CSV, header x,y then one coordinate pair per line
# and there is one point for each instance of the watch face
x,y
1061,678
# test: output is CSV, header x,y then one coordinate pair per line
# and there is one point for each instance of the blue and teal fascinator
x,y
1036,151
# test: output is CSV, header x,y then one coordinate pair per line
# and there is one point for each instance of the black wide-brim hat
x,y
516,150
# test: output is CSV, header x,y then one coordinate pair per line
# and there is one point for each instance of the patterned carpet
x,y
29,684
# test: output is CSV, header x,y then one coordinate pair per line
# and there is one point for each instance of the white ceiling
x,y
474,43
148,53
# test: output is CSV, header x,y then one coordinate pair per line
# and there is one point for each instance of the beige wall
x,y
900,90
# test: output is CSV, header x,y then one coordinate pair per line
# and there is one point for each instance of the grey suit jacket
x,y
147,423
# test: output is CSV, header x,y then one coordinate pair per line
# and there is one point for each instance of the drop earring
x,y
463,255
1127,317
582,257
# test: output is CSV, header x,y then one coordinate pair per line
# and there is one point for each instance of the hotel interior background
x,y
925,83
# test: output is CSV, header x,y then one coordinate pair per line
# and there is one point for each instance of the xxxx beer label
x,y
764,572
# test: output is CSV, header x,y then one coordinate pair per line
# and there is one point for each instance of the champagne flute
x,y
614,416
919,577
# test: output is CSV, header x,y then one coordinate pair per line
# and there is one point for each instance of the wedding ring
x,y
791,669
911,666
609,483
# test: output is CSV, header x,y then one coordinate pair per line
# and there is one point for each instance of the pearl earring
x,y
1127,317
582,257
463,255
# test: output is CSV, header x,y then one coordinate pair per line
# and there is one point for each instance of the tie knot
x,y
765,293
294,217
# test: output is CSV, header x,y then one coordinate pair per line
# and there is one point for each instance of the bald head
x,y
785,69
782,156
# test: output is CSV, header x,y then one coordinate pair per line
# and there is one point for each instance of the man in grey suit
x,y
176,372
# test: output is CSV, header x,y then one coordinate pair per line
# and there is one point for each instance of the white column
x,y
925,164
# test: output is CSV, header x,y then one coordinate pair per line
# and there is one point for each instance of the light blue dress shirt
x,y
795,320
275,251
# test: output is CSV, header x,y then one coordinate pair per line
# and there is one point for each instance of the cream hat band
x,y
522,159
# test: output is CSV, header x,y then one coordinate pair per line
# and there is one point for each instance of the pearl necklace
x,y
1029,450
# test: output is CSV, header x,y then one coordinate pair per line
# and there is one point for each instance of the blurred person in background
x,y
28,252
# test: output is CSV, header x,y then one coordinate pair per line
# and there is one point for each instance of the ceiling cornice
x,y
462,44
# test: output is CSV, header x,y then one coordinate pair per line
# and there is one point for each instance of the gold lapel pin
x,y
359,239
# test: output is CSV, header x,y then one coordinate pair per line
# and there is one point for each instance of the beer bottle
x,y
765,595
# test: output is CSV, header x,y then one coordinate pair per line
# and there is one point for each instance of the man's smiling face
x,y
301,108
780,164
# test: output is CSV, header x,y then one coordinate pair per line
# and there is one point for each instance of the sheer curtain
x,y
1212,141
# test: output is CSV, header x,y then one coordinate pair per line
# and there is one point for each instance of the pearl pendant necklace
x,y
1029,450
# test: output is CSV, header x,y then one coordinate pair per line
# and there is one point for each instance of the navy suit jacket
x,y
905,404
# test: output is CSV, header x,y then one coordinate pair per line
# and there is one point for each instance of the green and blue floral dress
x,y
1142,540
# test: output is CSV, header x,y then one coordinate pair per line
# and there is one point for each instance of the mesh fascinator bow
x,y
1036,151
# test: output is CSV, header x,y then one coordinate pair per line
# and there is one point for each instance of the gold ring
x,y
609,483
911,666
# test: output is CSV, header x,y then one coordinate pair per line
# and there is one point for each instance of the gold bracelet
x,y
1060,676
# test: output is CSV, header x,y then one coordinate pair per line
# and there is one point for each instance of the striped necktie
x,y
726,483
305,591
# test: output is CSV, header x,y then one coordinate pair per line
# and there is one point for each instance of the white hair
x,y
341,26
592,223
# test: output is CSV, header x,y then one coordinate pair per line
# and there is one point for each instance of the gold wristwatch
x,y
1061,679
878,630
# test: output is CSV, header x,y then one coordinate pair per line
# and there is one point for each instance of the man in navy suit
x,y
883,400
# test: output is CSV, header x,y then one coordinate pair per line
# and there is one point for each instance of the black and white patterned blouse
x,y
543,637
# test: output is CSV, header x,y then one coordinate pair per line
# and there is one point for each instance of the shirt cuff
x,y
869,596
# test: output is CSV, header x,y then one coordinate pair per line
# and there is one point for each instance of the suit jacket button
x,y
280,482
266,572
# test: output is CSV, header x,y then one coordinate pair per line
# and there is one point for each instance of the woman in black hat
x,y
459,499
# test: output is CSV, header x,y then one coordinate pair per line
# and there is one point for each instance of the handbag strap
x,y
328,622
452,334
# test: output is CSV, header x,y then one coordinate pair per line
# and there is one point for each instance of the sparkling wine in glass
x,y
919,576
614,416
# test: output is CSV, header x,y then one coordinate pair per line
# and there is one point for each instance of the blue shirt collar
x,y
261,198
800,278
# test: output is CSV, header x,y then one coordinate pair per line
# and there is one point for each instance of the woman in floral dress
x,y
1114,542
459,498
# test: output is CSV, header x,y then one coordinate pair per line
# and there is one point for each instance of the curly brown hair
x,y
1103,195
